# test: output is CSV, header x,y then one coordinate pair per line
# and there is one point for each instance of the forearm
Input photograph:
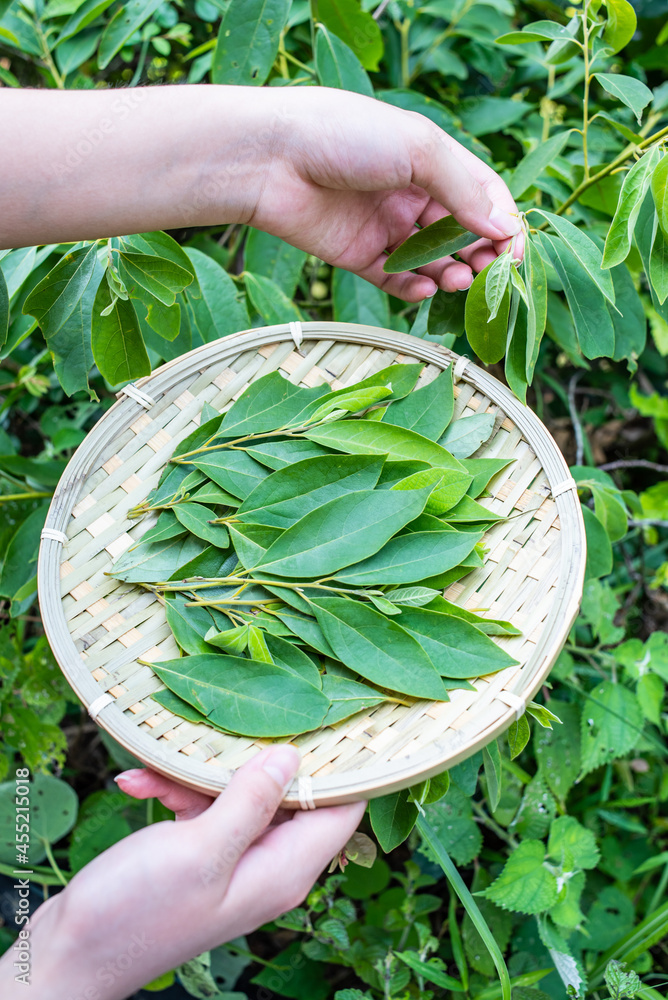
x,y
86,164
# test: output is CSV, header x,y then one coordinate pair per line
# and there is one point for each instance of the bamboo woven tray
x,y
99,627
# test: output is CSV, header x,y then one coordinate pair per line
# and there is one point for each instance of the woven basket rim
x,y
345,786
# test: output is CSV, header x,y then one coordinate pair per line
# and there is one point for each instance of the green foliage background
x,y
564,838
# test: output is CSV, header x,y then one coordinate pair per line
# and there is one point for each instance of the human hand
x,y
176,889
349,178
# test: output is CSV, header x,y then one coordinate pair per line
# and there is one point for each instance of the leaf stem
x,y
467,901
587,81
52,861
22,496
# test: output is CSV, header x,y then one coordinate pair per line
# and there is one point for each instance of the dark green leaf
x,y
147,276
118,348
247,697
491,759
267,404
20,560
189,625
584,249
632,195
233,470
599,549
356,301
165,527
4,309
354,26
440,239
465,435
268,255
55,297
659,187
337,65
248,41
70,344
123,24
541,156
196,518
82,17
392,819
289,656
454,646
377,648
288,494
307,629
269,300
410,558
483,471
219,311
153,563
281,454
486,336
342,531
518,736
251,542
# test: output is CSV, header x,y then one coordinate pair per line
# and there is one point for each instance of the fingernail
x,y
129,775
282,764
507,224
430,294
465,283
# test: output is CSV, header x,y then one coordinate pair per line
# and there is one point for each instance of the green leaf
x,y
122,26
4,309
491,759
659,188
367,437
352,25
433,971
147,276
524,885
620,981
350,402
539,31
448,487
452,819
153,563
621,24
81,17
20,557
288,494
486,336
210,493
529,169
558,750
440,239
251,542
342,531
307,629
631,197
337,65
280,454
611,725
347,697
196,518
235,471
357,301
267,404
248,41
584,250
118,348
413,597
497,283
650,692
189,625
219,311
572,844
392,819
468,511
599,549
70,344
631,92
658,265
518,736
410,558
288,655
53,812
246,697
275,259
269,300
454,646
428,410
628,318
465,435
490,626
377,648
593,325
54,298
400,379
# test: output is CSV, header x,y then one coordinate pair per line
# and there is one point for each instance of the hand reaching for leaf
x,y
342,176
173,890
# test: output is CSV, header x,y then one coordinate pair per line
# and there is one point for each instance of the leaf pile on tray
x,y
303,542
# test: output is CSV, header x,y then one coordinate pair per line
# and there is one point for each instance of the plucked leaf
x,y
366,437
347,697
152,563
247,697
377,648
342,531
269,403
410,558
234,471
189,625
428,410
196,518
438,240
454,646
464,436
483,470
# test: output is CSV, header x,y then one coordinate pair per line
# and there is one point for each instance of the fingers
x,y
289,857
249,803
463,184
146,784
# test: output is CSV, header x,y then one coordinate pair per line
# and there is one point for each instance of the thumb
x,y
245,809
465,186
